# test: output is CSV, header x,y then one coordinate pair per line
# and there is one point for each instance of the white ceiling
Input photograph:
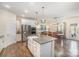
x,y
52,9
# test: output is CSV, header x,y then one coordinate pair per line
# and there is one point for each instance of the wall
x,y
8,27
2,23
28,22
18,26
69,21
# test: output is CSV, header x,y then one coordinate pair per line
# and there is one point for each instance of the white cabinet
x,y
18,37
32,45
41,50
36,48
1,43
46,50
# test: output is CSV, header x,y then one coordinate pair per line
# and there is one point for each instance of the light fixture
x,y
25,11
41,25
43,16
7,6
36,17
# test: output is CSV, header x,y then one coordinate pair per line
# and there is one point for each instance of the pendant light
x,y
43,16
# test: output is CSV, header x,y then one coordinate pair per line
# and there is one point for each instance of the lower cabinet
x,y
36,49
33,47
18,37
40,50
1,44
46,50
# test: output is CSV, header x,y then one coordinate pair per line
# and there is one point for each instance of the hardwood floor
x,y
63,48
16,50
66,48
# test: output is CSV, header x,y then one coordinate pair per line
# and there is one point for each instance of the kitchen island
x,y
42,46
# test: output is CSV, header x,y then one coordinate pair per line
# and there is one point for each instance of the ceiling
x,y
52,9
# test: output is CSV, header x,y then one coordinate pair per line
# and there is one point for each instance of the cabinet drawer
x,y
36,52
31,48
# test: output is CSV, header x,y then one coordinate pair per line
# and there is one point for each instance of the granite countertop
x,y
44,39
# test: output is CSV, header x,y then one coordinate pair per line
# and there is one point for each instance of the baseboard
x,y
9,43
20,41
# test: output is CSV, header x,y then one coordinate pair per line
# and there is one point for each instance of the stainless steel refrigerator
x,y
25,31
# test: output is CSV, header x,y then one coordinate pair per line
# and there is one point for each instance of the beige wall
x,y
8,26
18,26
2,22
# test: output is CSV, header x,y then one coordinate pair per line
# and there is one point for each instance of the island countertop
x,y
44,39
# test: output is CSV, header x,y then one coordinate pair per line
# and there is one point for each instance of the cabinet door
x,y
1,43
46,50
36,49
31,47
18,37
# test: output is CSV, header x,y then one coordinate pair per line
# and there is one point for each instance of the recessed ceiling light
x,y
25,11
7,6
